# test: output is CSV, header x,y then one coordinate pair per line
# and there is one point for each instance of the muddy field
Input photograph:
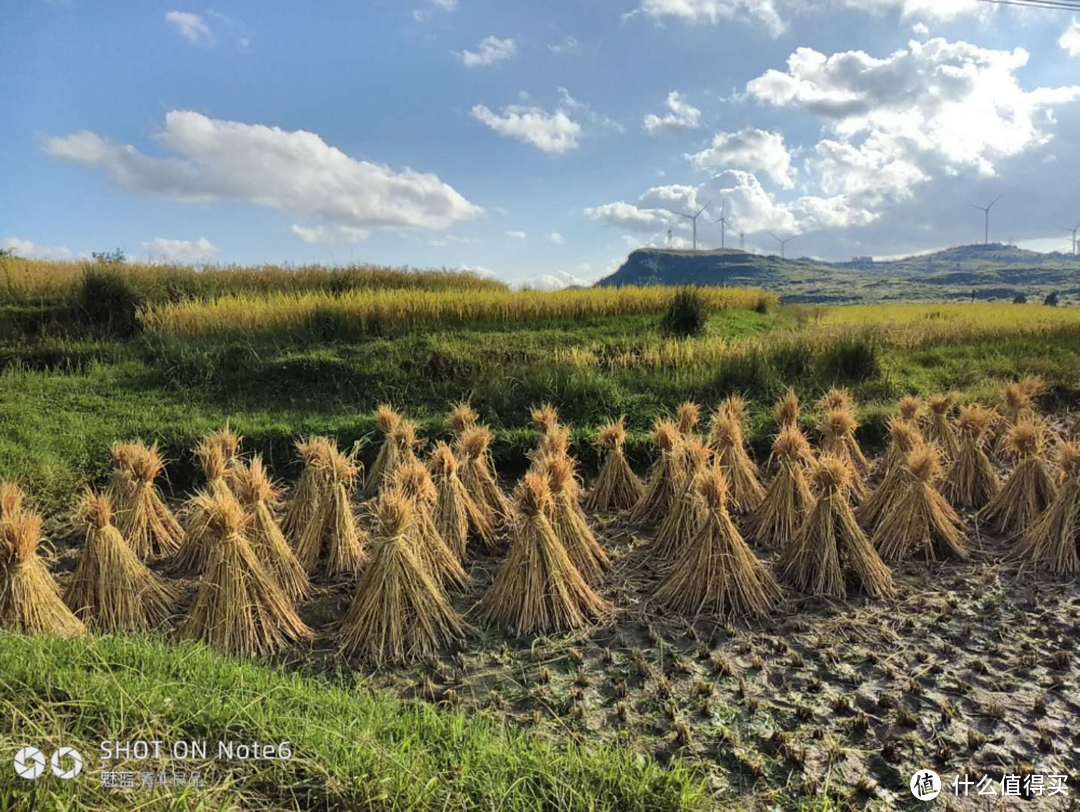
x,y
971,670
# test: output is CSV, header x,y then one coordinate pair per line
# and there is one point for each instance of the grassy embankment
x,y
352,747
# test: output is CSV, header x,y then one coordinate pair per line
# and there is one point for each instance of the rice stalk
x,y
112,590
239,609
788,499
1029,490
457,516
745,491
830,552
920,523
440,559
399,612
1053,540
662,484
261,498
716,572
537,589
30,601
971,481
569,522
617,487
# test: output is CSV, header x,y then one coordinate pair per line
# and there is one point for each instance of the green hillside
x,y
993,272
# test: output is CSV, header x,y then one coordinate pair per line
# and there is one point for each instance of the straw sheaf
x,y
725,433
462,416
148,464
688,416
832,474
925,464
554,443
545,417
910,408
734,407
415,481
394,512
444,462
713,487
533,494
974,420
903,434
613,434
941,404
475,441
21,535
787,409
255,484
666,435
839,423
11,499
1068,454
837,399
1023,440
227,440
791,445
94,510
211,459
387,419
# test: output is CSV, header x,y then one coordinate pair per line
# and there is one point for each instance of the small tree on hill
x,y
1020,298
1051,299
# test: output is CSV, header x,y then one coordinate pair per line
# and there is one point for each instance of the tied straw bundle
x,y
617,487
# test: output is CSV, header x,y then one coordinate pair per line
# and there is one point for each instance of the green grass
x,y
63,402
353,747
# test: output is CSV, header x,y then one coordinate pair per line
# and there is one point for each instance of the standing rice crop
x,y
457,516
261,498
30,601
1053,540
112,590
662,485
716,572
745,490
830,552
939,429
972,481
920,523
569,522
239,609
537,588
333,536
1030,488
143,518
478,475
441,560
399,611
617,487
788,499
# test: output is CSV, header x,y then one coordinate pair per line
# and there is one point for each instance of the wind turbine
x,y
1074,230
723,221
742,235
783,244
986,211
692,218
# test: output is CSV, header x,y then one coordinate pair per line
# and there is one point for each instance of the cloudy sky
x,y
537,141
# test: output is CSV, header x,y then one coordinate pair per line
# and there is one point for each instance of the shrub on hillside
x,y
1051,299
109,301
685,315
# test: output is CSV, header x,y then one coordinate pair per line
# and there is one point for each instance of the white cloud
x,y
681,116
628,216
180,251
556,281
936,107
563,46
933,10
422,15
190,26
713,12
517,235
28,249
751,149
490,51
293,171
1070,40
553,133
557,238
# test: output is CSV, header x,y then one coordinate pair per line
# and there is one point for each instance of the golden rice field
x,y
365,311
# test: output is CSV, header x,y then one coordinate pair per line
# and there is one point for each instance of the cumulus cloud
x,y
751,149
556,281
27,249
628,216
292,171
681,116
490,51
190,26
180,251
713,12
1070,40
553,132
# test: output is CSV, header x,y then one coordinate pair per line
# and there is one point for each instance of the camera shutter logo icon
x,y
29,763
66,763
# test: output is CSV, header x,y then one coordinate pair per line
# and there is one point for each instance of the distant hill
x,y
991,272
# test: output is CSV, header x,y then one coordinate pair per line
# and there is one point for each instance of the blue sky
x,y
538,141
